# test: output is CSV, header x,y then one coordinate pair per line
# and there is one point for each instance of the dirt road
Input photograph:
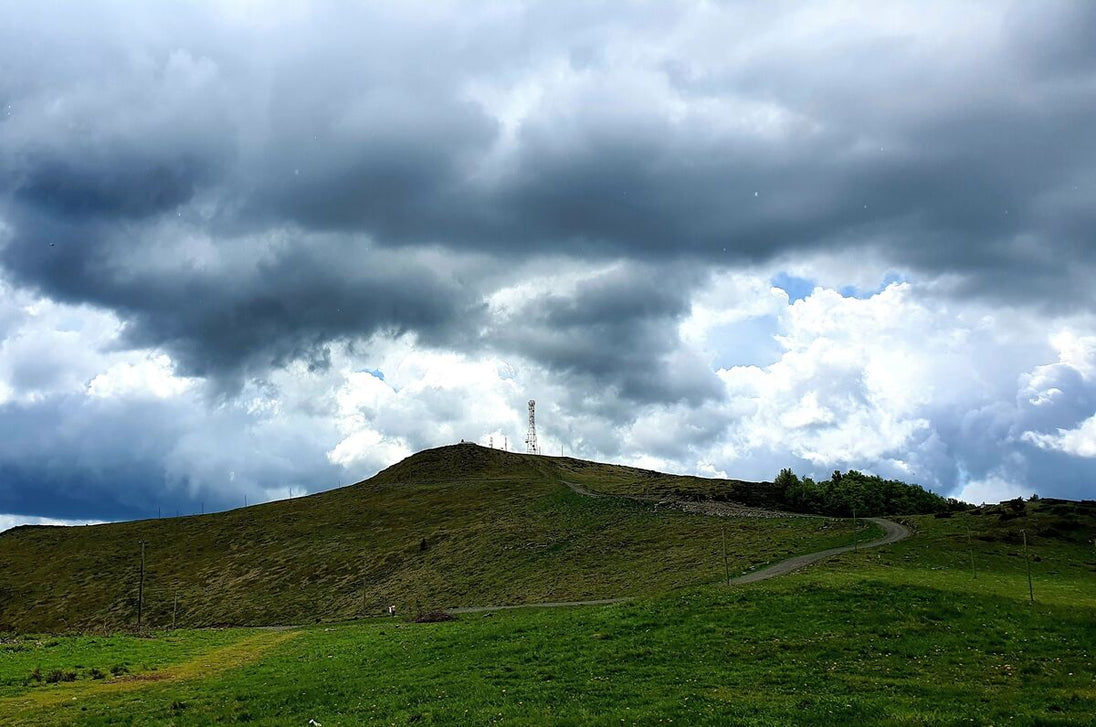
x,y
549,604
893,532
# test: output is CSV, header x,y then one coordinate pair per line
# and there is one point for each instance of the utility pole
x,y
726,570
1027,560
856,532
970,548
141,588
174,609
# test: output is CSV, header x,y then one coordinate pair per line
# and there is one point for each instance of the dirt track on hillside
x,y
892,533
548,604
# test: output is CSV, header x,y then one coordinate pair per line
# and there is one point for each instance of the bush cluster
x,y
58,675
855,492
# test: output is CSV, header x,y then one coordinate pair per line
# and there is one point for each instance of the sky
x,y
255,250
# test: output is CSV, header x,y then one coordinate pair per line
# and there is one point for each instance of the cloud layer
x,y
215,225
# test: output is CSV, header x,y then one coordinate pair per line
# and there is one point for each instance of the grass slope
x,y
901,635
498,527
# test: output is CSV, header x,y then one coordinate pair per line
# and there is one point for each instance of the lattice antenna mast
x,y
531,438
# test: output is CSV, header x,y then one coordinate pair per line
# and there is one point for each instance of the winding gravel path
x,y
548,604
892,533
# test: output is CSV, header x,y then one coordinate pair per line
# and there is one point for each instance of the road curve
x,y
892,533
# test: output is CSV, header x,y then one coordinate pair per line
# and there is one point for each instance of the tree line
x,y
855,492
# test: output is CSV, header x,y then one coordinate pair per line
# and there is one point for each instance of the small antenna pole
x,y
856,532
1027,560
141,588
726,569
970,548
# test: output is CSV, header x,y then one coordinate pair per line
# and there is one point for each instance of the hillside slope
x,y
454,526
909,634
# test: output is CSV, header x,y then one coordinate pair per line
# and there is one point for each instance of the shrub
x,y
119,669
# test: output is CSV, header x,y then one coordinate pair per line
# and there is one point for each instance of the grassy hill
x,y
454,526
936,629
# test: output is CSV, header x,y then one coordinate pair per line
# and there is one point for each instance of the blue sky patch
x,y
796,288
851,291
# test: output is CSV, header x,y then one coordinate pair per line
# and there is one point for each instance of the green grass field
x,y
936,629
902,635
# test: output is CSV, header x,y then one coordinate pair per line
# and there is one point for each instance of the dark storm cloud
x,y
941,168
615,338
372,156
132,188
252,314
697,136
291,307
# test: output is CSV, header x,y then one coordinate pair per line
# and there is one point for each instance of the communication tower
x,y
531,438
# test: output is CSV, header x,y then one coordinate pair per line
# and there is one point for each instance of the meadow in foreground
x,y
904,635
